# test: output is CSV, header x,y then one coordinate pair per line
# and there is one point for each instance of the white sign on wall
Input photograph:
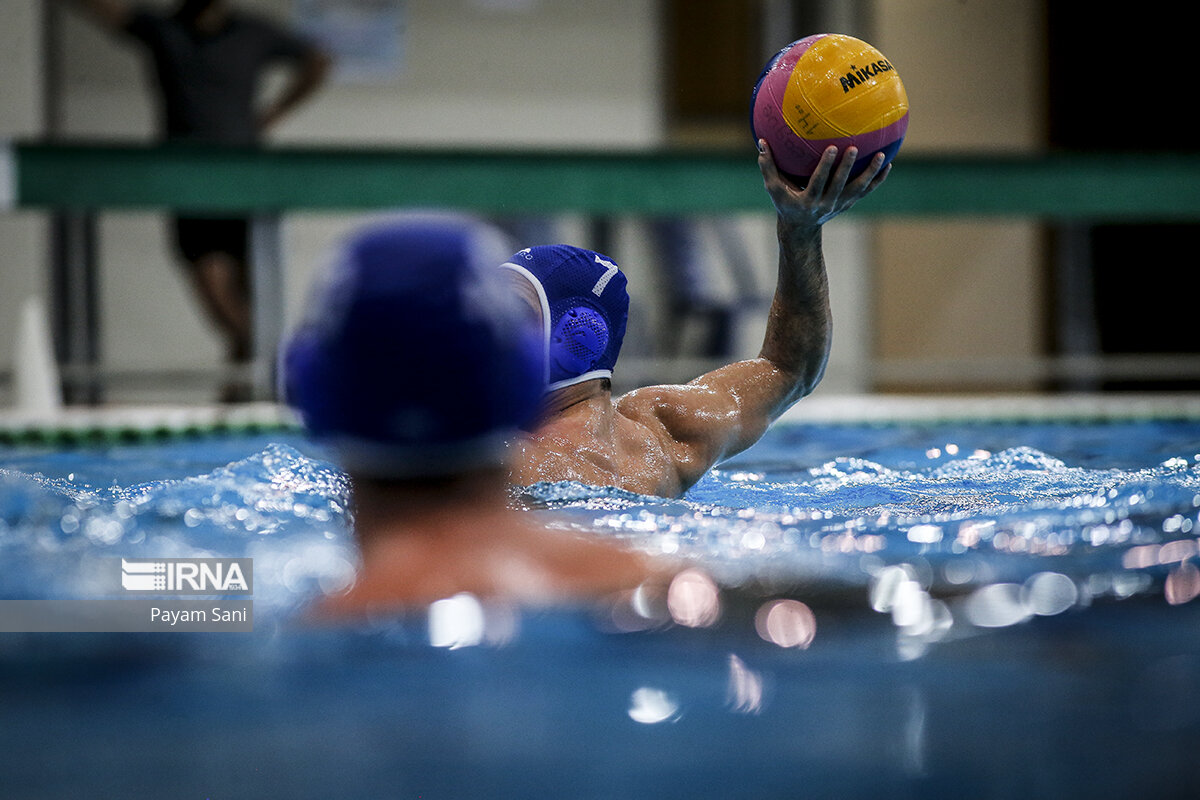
x,y
365,38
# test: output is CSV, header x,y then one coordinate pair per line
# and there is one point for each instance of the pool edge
x,y
142,421
883,409
75,423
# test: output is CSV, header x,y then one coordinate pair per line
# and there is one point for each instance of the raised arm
x,y
725,411
799,324
306,78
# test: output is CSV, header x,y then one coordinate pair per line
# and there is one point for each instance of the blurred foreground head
x,y
414,358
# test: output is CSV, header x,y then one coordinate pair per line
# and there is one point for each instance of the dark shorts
x,y
201,236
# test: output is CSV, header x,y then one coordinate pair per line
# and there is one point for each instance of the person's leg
x,y
216,253
220,283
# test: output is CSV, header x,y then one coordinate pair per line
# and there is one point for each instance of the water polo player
x,y
415,365
660,440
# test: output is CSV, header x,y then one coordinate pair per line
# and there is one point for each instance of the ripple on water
x,y
981,516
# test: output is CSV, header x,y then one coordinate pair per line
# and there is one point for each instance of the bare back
x,y
657,440
594,443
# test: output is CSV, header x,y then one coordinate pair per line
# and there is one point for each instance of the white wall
x,y
22,234
954,290
547,72
476,73
562,73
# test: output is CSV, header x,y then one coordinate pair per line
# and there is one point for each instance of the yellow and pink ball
x,y
828,89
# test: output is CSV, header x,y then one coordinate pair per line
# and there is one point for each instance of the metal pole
x,y
266,292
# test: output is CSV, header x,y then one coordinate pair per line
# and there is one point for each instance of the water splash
x,y
284,509
956,517
970,520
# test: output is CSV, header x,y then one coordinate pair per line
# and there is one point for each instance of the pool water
x,y
965,505
982,610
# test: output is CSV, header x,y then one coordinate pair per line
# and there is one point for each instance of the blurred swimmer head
x,y
415,357
584,307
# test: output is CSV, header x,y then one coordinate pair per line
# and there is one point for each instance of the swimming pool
x,y
940,607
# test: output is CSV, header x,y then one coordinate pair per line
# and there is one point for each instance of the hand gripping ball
x,y
828,89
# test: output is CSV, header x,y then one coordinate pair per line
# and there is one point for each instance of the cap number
x,y
598,289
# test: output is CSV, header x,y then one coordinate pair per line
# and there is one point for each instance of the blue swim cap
x,y
585,305
415,358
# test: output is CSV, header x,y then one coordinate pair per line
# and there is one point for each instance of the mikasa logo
x,y
187,575
859,76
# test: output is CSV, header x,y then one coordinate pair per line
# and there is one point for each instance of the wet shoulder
x,y
674,412
646,449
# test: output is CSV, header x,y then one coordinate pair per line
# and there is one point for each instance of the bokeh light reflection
x,y
1182,584
651,706
997,605
456,622
745,694
1177,551
787,623
887,585
642,609
925,534
1049,593
693,599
